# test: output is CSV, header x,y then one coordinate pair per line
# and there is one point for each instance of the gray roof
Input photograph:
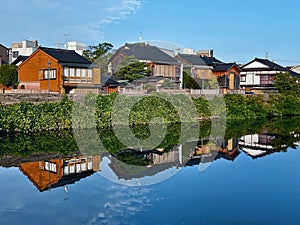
x,y
142,51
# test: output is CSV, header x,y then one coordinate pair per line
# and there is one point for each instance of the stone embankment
x,y
9,99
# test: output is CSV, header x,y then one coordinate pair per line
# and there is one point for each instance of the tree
x,y
286,84
8,75
189,82
131,69
99,54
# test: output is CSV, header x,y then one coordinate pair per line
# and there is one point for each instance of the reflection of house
x,y
256,145
260,74
137,164
159,62
227,149
59,172
61,71
149,163
204,67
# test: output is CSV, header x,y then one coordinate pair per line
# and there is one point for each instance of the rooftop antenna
x,y
66,39
59,44
267,55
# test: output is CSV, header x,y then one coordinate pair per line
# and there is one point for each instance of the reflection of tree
x,y
286,132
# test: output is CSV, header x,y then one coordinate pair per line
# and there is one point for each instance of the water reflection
x,y
58,162
53,162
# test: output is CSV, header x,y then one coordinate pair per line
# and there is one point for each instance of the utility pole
x,y
181,76
49,64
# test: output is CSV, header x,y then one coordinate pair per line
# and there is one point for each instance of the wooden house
x,y
160,63
4,55
204,68
60,71
228,76
109,84
59,172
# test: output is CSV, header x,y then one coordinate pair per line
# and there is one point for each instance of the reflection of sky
x,y
92,200
246,191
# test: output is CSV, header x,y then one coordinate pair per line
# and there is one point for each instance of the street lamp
x,y
202,83
49,64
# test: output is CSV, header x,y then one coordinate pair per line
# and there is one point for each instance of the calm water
x,y
249,177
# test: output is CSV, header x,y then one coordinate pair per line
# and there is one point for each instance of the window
x,y
90,73
72,72
78,72
15,54
50,74
243,78
66,71
50,167
83,72
265,80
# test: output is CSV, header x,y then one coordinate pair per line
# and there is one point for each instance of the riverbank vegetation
x,y
96,110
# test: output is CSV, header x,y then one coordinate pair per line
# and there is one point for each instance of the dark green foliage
x,y
8,75
280,105
27,117
189,82
94,52
242,107
134,70
286,84
96,111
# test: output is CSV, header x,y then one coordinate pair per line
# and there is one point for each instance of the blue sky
x,y
236,30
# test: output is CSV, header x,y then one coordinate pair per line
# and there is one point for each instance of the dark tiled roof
x,y
199,60
65,56
192,59
3,46
21,58
108,81
224,66
271,65
150,79
146,52
294,74
210,61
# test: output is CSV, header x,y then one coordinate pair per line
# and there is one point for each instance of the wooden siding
x,y
163,70
30,71
96,76
31,74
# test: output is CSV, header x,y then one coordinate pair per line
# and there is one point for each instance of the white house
x,y
260,74
23,48
78,47
296,69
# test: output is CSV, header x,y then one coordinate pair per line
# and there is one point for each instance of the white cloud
x,y
47,20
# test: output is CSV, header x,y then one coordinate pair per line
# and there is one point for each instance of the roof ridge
x,y
57,49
